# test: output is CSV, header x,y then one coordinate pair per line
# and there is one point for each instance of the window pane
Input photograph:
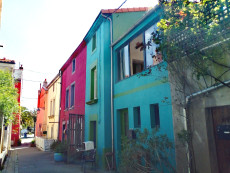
x,y
67,99
93,90
137,55
152,58
94,41
72,95
73,65
137,117
123,62
154,115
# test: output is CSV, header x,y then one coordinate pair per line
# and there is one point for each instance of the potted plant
x,y
60,151
32,144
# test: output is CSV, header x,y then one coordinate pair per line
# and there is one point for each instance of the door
x,y
221,126
93,132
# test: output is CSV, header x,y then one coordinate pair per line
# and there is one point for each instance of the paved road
x,y
32,160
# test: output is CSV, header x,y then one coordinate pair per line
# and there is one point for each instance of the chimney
x,y
45,83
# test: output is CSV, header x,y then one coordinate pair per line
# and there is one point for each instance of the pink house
x,y
72,106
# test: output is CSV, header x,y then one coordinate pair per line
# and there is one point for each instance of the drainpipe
x,y
111,56
60,74
188,98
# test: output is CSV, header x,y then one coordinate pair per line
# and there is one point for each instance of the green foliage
x,y
8,97
59,147
195,33
27,118
184,137
33,142
149,152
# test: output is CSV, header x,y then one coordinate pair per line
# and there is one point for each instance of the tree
x,y
8,97
27,118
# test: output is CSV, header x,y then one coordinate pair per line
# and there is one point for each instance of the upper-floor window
x,y
94,42
73,65
52,107
138,54
72,95
67,99
93,87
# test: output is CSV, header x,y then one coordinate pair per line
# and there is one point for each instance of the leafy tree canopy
x,y
8,97
27,117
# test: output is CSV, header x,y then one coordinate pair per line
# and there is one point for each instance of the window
x,y
153,57
139,54
137,117
93,89
73,65
72,95
67,99
51,107
123,63
94,42
154,116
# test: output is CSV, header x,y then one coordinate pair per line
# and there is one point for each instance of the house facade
x,y
41,122
142,97
53,102
72,106
10,134
98,75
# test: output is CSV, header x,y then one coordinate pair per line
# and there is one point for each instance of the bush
x,y
59,147
149,152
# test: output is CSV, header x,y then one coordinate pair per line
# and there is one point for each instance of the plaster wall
x,y
203,139
79,79
100,111
53,118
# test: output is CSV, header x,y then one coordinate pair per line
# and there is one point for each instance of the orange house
x,y
41,124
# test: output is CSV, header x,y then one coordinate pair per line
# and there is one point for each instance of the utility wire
x,y
120,6
31,80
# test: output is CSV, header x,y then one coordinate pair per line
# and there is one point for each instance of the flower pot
x,y
59,157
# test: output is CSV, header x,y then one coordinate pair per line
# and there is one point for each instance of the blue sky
x,y
42,34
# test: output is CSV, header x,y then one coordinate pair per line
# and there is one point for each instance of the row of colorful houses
x,y
112,85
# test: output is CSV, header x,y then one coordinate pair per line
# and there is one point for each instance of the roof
x,y
74,55
100,18
124,10
8,61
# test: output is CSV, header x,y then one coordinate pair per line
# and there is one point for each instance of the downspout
x,y
111,92
60,74
187,100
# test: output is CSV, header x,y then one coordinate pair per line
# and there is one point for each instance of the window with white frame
x,y
67,99
72,95
93,87
138,54
94,42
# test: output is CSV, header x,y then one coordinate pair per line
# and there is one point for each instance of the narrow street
x,y
26,159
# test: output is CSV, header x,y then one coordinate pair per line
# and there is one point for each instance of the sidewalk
x,y
29,159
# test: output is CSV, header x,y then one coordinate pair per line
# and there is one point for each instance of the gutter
x,y
60,74
111,56
205,91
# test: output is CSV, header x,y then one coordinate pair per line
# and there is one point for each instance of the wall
x,y
142,90
53,120
100,111
78,77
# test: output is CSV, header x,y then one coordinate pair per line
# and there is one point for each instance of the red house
x,y
6,64
72,106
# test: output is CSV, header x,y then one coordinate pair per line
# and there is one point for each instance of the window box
x,y
92,102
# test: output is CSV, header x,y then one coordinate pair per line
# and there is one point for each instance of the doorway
x,y
221,126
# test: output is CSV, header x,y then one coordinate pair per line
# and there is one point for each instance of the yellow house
x,y
53,104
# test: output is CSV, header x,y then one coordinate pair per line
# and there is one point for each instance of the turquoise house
x,y
98,75
142,97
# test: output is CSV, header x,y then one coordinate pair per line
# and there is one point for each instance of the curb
x,y
11,164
